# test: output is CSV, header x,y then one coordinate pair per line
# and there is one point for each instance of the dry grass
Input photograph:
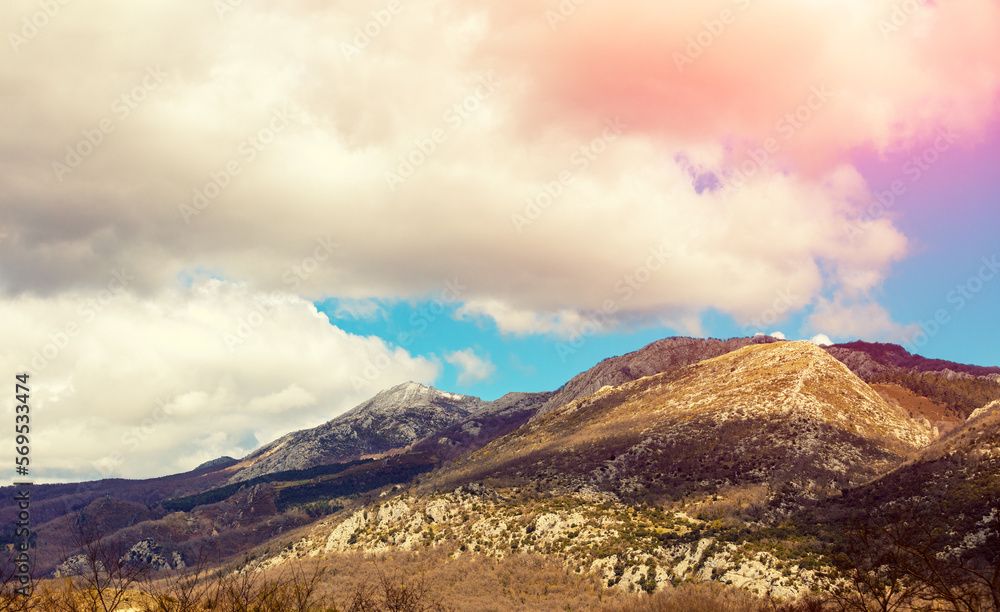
x,y
428,581
733,501
472,582
707,597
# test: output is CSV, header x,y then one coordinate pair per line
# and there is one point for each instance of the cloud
x,y
471,367
777,334
821,340
141,386
510,320
856,78
518,112
862,319
544,174
365,310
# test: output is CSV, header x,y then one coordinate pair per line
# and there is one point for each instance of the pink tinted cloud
x,y
646,63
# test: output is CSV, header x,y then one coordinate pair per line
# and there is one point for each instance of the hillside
x,y
391,421
742,468
869,359
961,469
491,421
736,460
657,357
781,413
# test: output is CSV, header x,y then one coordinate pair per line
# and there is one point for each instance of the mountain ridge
x,y
392,420
772,394
663,438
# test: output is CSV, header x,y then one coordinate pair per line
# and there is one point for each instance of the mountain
x,y
661,356
944,392
219,463
866,359
493,420
391,421
869,359
961,470
934,520
689,458
782,414
448,425
742,468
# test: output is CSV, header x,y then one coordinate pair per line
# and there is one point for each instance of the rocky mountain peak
x,y
410,393
392,420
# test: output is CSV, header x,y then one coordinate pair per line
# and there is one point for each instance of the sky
x,y
223,221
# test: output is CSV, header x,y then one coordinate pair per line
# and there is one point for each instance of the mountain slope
x,y
392,420
868,359
658,357
958,460
783,414
871,361
936,518
492,420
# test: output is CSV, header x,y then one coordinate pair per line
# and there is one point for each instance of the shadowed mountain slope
x,y
783,414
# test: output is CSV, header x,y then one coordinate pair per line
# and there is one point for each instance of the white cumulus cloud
x,y
141,386
471,367
821,340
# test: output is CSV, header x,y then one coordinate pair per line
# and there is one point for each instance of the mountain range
x,y
706,445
